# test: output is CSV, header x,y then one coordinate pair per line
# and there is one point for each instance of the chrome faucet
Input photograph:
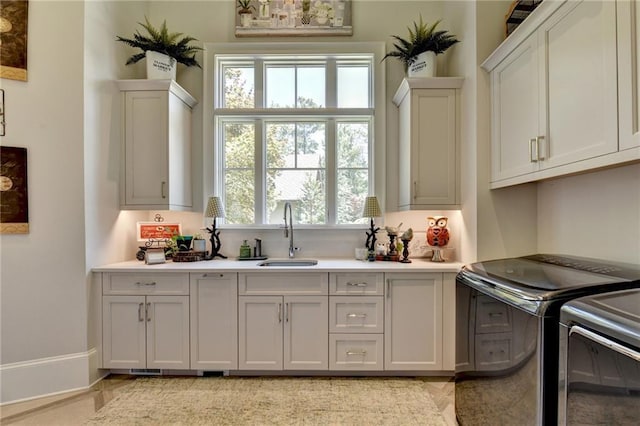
x,y
288,228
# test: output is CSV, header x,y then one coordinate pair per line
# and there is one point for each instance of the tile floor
x,y
77,407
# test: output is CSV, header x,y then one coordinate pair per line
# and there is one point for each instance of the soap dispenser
x,y
245,250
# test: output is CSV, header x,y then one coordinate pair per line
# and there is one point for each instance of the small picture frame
x,y
157,231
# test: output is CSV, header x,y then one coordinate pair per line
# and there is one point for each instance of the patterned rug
x,y
271,401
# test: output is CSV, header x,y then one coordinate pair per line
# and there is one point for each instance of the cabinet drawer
x,y
357,283
492,316
356,314
167,283
355,352
295,283
493,351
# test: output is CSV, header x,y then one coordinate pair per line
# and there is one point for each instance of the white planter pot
x,y
160,66
424,65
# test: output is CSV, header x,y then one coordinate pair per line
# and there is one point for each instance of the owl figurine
x,y
437,232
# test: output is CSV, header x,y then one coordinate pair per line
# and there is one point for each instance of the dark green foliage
x,y
164,42
422,38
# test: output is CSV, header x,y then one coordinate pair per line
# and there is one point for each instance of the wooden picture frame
x,y
14,198
13,34
269,18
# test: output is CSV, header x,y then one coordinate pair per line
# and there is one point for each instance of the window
x,y
295,129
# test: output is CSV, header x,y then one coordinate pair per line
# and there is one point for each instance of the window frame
x,y
312,53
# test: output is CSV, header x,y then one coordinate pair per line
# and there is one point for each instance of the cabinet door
x,y
306,332
433,147
579,81
179,184
628,66
168,332
214,321
413,322
123,331
146,154
514,112
260,332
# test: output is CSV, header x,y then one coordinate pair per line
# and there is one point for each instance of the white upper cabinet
x,y
156,153
554,93
628,66
429,143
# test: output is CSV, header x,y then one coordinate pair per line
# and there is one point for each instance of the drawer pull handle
x,y
147,284
212,275
140,319
360,284
360,353
356,315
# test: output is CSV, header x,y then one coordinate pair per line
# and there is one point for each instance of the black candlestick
x,y
371,237
215,242
405,252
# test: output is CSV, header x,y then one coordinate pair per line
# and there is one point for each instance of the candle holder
x,y
405,251
392,244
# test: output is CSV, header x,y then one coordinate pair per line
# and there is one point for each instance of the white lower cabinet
x,y
356,352
283,321
283,332
279,321
413,322
356,321
146,332
214,321
145,320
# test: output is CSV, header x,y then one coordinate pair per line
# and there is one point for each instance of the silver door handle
x,y
538,140
146,312
286,312
532,158
360,352
614,346
279,312
162,189
140,312
360,284
138,283
356,315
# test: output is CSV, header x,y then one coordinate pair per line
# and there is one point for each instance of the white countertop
x,y
324,265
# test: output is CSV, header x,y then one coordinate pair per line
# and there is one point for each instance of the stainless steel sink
x,y
289,262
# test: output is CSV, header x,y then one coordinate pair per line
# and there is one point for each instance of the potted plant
x,y
244,10
418,52
199,243
162,50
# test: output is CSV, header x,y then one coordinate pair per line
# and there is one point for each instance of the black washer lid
x,y
546,277
615,315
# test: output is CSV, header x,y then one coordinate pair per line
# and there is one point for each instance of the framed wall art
x,y
13,39
14,199
255,18
157,231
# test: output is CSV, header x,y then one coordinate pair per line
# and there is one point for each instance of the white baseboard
x,y
27,380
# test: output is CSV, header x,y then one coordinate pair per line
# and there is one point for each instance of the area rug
x,y
271,401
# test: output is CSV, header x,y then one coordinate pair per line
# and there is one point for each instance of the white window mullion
x,y
330,172
331,84
260,171
258,83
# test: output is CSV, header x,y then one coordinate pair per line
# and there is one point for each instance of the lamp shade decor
x,y
371,209
215,209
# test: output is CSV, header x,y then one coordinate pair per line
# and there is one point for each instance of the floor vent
x,y
146,371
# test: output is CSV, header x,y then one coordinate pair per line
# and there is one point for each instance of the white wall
x,y
592,215
62,116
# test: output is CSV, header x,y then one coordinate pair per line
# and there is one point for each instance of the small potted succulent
x,y
418,51
162,49
244,10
